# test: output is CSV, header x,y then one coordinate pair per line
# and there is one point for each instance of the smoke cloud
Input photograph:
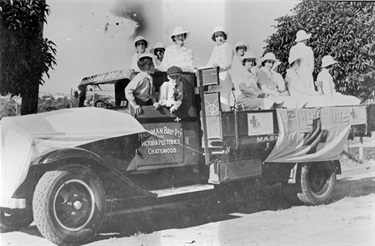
x,y
142,13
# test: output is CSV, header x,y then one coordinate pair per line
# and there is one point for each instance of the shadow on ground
x,y
250,197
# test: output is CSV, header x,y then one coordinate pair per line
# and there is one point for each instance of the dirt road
x,y
264,218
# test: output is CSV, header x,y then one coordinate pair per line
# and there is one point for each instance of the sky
x,y
96,36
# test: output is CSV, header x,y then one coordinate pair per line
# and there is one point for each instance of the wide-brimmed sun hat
x,y
158,45
268,57
178,30
248,55
140,38
174,71
302,35
328,60
218,29
240,44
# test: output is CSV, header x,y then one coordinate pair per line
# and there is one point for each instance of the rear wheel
x,y
315,185
14,219
69,205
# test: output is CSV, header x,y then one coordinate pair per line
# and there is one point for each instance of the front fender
x,y
60,155
67,153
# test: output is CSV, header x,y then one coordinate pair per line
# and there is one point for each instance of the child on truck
x,y
171,91
140,91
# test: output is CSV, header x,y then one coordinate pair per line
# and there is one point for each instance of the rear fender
x,y
296,171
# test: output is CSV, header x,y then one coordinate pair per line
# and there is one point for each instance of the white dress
x,y
330,92
178,56
222,56
301,91
307,63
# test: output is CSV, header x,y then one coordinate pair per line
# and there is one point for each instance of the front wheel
x,y
315,184
69,205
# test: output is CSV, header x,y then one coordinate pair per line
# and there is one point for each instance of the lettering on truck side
x,y
270,138
162,141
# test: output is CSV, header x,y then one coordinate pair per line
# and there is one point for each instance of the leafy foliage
x,y
10,107
49,103
344,30
26,56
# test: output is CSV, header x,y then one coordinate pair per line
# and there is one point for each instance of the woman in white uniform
x,y
178,54
326,85
140,45
222,57
306,55
300,90
158,52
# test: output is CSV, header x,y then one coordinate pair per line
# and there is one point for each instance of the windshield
x,y
102,96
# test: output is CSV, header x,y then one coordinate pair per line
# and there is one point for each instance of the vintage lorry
x,y
66,169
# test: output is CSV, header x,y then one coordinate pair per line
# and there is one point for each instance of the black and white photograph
x,y
187,122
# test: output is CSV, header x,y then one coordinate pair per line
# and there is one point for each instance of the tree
x,y
344,30
25,55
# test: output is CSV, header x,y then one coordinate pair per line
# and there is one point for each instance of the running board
x,y
182,190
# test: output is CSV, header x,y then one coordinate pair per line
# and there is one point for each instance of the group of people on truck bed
x,y
254,81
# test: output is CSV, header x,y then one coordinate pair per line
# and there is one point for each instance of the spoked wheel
x,y
15,219
69,205
315,185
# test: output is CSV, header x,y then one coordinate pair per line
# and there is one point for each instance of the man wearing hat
x,y
326,85
140,90
307,57
178,54
171,91
140,45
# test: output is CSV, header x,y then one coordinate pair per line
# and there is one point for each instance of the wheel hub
x,y
74,205
77,205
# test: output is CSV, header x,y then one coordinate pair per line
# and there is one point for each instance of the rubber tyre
x,y
69,205
15,219
315,185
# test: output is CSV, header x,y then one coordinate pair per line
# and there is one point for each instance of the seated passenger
x,y
140,90
278,78
266,77
251,97
171,91
158,51
327,86
299,89
178,54
140,45
273,85
240,49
